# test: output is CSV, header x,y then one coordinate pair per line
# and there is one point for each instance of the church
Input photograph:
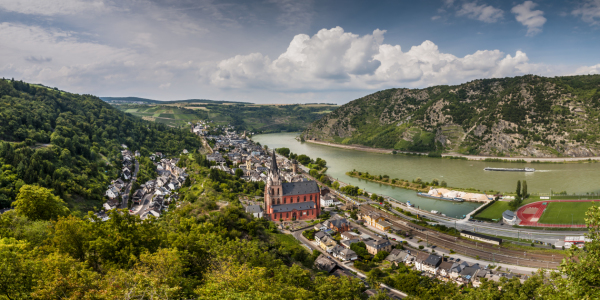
x,y
290,200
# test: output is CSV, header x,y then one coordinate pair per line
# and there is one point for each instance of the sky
x,y
286,51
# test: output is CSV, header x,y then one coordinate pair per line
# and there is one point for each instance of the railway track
x,y
473,249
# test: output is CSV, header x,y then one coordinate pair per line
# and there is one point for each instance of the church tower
x,y
273,188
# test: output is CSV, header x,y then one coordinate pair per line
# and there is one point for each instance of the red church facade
x,y
290,200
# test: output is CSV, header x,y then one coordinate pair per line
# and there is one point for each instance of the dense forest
x,y
520,116
71,143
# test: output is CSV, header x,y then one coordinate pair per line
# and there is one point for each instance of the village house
x,y
340,225
374,247
255,210
431,264
343,254
444,269
420,258
397,256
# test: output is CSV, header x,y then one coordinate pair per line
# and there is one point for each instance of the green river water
x,y
572,177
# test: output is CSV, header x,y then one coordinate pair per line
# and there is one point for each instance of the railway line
x,y
473,249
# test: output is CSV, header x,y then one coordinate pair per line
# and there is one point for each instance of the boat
x,y
510,169
425,195
435,212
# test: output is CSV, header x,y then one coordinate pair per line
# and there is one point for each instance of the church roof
x,y
299,188
292,206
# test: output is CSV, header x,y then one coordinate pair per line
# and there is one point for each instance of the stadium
x,y
555,213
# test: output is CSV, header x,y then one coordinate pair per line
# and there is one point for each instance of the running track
x,y
526,218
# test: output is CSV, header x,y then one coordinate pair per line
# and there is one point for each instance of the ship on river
x,y
510,169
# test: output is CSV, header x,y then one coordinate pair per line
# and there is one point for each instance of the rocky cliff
x,y
521,116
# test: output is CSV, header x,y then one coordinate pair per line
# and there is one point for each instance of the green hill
x,y
251,117
521,116
71,143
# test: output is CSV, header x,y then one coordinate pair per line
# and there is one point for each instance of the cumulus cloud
x,y
484,13
589,11
54,7
533,19
333,58
588,70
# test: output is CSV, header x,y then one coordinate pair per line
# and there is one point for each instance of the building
x,y
374,247
481,237
294,166
325,264
383,225
327,200
431,264
371,218
290,200
509,217
339,225
255,210
343,254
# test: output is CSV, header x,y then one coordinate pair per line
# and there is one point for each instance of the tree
x,y
38,203
435,182
525,195
519,188
380,256
238,173
443,184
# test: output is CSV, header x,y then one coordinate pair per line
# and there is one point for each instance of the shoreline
x,y
467,157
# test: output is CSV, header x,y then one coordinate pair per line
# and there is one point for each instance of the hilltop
x,y
529,116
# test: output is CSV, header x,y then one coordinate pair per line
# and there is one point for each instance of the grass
x,y
495,210
565,212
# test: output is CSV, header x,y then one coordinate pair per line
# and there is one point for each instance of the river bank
x,y
454,155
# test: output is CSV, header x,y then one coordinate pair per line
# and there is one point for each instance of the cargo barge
x,y
510,169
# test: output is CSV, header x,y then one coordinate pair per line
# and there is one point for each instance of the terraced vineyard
x,y
252,117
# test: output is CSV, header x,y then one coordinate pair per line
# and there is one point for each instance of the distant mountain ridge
x,y
529,116
150,101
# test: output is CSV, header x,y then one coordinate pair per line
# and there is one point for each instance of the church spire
x,y
274,169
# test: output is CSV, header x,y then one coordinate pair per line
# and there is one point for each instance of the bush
x,y
421,247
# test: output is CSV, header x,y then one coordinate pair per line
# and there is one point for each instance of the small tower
x,y
295,166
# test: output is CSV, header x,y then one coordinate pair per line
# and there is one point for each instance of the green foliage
x,y
71,143
38,203
284,151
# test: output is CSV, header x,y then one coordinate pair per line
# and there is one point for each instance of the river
x,y
571,177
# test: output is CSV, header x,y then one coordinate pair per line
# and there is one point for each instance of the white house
x,y
255,210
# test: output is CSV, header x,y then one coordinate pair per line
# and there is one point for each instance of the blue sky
x,y
284,51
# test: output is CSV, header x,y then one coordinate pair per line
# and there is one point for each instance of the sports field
x,y
565,212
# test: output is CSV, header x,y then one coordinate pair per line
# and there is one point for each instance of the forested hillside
x,y
521,116
251,117
70,143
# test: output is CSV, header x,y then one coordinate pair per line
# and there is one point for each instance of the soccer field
x,y
566,212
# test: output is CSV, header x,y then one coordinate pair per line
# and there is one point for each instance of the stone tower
x,y
295,166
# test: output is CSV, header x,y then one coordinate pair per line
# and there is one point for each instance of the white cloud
x,y
484,13
589,11
334,59
533,19
53,7
588,70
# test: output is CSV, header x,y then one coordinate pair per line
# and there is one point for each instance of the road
x,y
344,266
125,194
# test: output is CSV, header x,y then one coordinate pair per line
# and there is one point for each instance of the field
x,y
566,212
256,118
495,210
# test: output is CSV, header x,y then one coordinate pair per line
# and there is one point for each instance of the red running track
x,y
526,219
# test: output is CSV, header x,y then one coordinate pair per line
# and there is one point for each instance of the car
x,y
457,260
433,247
501,224
394,239
451,258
